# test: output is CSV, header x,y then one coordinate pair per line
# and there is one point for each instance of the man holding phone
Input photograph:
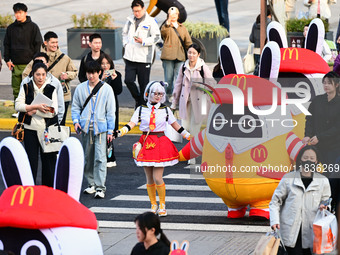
x,y
140,35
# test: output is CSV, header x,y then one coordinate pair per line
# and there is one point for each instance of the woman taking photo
x,y
112,77
193,102
296,200
176,41
148,227
323,129
36,118
157,150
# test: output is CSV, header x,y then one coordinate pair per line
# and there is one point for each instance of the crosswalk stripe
x,y
182,212
183,187
210,200
190,227
183,176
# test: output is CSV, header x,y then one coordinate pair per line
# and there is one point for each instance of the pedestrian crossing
x,y
191,205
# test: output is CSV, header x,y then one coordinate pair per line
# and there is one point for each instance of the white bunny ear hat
x,y
314,38
50,219
231,61
230,57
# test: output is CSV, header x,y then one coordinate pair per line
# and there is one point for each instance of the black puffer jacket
x,y
22,41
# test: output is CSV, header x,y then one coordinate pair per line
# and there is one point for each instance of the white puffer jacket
x,y
149,32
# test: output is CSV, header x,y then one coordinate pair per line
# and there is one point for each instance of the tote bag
x,y
52,139
248,61
325,230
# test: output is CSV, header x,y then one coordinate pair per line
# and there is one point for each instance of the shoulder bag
x,y
248,61
18,130
137,147
182,43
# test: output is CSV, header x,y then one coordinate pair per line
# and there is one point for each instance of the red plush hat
x,y
37,207
300,60
262,89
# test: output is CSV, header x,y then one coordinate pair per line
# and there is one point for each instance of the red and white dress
x,y
157,150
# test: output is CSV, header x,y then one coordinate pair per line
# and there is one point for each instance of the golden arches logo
x,y
238,81
259,153
290,54
23,192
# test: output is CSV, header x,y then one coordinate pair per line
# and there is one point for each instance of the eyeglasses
x,y
160,94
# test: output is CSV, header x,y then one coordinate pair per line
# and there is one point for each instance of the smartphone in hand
x,y
78,130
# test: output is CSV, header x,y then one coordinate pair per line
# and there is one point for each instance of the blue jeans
x,y
222,13
95,159
171,69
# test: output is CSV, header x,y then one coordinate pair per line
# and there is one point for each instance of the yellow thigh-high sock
x,y
151,188
161,193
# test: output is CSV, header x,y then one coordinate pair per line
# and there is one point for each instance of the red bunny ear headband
x,y
148,90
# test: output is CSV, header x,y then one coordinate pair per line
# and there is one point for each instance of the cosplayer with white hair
x,y
157,151
155,86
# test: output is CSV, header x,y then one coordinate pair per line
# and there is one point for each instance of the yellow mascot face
x,y
245,155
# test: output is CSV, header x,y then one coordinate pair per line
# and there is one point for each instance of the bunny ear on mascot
x,y
40,218
276,33
14,164
230,57
315,36
69,173
270,61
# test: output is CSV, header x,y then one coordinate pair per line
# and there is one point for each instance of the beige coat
x,y
292,206
184,89
172,47
65,65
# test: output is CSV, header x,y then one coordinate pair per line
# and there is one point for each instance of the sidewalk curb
x,y
8,124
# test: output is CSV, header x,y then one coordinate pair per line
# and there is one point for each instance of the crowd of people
x,y
39,67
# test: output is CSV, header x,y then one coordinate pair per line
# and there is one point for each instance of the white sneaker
x,y
15,115
162,211
111,164
99,194
90,190
192,161
154,208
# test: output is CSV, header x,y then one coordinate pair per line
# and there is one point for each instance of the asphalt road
x,y
189,198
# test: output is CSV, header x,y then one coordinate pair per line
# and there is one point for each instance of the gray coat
x,y
292,206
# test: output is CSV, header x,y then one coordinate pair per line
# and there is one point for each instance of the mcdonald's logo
x,y
290,54
23,191
259,153
238,81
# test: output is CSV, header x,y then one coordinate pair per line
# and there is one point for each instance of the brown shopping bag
x,y
267,245
325,229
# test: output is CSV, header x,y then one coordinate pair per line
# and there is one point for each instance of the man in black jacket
x,y
95,54
22,41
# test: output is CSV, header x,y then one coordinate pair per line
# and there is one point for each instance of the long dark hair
x,y
150,220
306,148
108,58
